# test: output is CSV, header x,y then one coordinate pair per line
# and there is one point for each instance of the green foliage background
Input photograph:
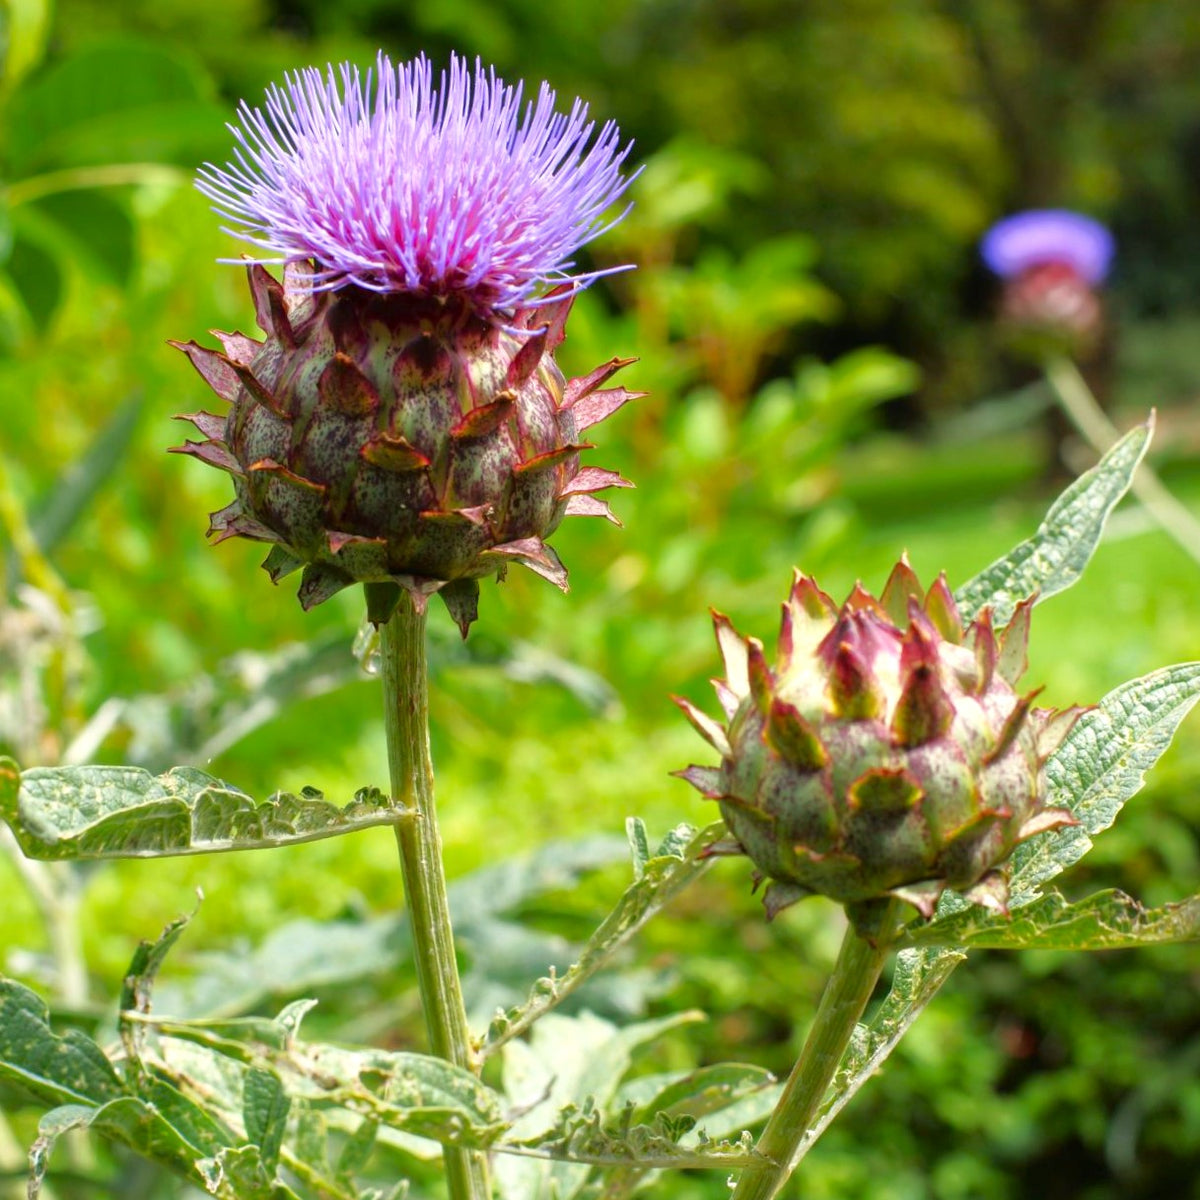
x,y
813,331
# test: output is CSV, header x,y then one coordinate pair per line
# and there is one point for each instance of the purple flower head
x,y
1048,235
394,185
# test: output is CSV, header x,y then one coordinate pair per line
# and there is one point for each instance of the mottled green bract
x,y
394,438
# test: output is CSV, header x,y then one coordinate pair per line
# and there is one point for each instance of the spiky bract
x,y
886,753
393,437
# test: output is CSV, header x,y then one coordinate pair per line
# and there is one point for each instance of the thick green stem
x,y
846,994
406,709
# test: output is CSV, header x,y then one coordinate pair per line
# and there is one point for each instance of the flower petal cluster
x,y
393,184
1041,236
887,751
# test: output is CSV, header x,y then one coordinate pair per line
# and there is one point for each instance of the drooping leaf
x,y
1102,763
66,1069
1109,920
152,1128
658,879
125,812
1053,559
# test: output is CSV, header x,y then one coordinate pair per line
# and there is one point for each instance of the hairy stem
x,y
406,718
846,994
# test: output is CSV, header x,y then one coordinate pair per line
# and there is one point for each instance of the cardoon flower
x,y
1053,263
404,419
886,752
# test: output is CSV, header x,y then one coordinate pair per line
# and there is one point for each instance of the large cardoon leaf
x,y
1053,559
125,812
1109,920
1102,763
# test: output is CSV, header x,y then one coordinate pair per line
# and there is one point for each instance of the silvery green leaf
x,y
125,812
1053,559
1102,763
1109,920
698,1093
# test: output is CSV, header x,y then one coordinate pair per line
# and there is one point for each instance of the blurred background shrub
x,y
825,391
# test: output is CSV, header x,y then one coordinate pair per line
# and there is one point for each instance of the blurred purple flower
x,y
393,185
1048,235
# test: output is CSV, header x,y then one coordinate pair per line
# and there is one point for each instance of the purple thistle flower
x,y
393,185
1048,235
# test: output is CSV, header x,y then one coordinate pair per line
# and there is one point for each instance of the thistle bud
x,y
1053,263
886,753
404,419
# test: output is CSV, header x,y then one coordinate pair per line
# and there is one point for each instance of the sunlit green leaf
x,y
125,812
26,24
1109,920
582,1138
102,89
697,1093
562,1081
153,1128
1102,763
1053,559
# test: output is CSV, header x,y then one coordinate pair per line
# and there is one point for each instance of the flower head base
x,y
391,184
887,752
